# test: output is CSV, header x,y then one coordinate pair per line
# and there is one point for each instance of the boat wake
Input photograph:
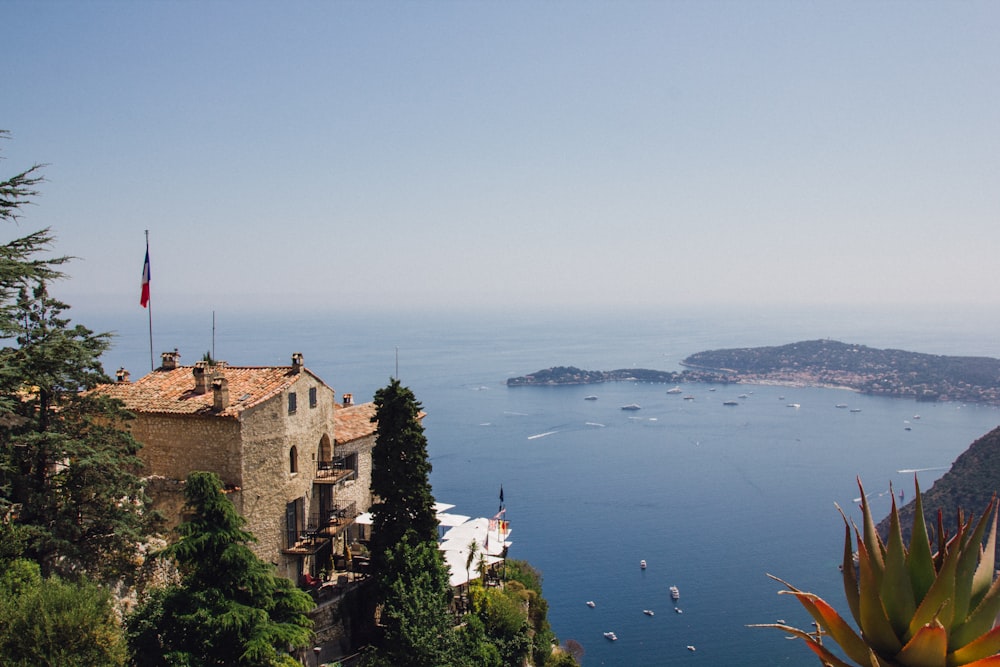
x,y
909,470
541,435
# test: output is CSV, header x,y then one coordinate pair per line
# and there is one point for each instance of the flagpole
x,y
149,305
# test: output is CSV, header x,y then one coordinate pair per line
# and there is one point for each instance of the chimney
x,y
122,375
348,399
168,360
220,393
201,377
297,362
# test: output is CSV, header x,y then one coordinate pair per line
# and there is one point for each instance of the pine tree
x,y
70,497
400,476
230,608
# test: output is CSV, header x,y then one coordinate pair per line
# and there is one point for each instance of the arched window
x,y
325,450
293,459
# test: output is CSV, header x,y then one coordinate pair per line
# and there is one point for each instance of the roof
x,y
172,391
352,422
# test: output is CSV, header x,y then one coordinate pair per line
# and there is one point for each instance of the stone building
x,y
295,463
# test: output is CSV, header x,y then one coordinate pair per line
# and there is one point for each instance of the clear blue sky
x,y
347,154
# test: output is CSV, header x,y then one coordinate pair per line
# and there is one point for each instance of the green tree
x,y
70,496
400,478
230,608
49,622
416,616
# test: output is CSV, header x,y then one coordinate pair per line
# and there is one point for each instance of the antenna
x,y
213,335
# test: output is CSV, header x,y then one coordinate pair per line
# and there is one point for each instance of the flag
x,y
501,493
144,297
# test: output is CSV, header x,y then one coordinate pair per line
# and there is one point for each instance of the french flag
x,y
144,297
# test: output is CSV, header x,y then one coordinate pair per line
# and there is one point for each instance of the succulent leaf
x,y
896,590
939,601
928,648
913,608
875,625
985,646
831,622
980,621
968,561
983,580
850,575
872,540
919,558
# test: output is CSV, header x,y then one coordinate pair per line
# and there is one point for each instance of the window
x,y
293,459
351,462
312,397
293,520
291,402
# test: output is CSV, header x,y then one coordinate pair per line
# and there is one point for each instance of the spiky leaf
x,y
928,648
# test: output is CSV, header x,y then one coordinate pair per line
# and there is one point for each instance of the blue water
x,y
712,497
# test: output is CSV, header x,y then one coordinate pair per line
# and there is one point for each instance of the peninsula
x,y
826,363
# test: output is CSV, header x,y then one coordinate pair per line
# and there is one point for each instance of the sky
x,y
487,154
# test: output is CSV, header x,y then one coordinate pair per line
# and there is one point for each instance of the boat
x,y
678,610
631,406
675,593
855,409
642,564
690,648
610,635
689,398
590,398
742,396
590,603
647,612
794,405
675,390
730,403
840,405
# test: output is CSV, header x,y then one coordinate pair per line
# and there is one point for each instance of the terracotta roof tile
x,y
172,391
353,422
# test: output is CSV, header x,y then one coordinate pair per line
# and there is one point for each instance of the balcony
x,y
334,471
341,514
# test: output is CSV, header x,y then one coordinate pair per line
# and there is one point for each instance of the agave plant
x,y
914,607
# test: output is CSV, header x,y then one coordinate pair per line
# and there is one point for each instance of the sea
x,y
712,497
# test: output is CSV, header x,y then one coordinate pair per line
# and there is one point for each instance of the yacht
x,y
675,593
675,390
610,635
631,406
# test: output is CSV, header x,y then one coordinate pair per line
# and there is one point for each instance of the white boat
x,y
590,398
690,648
675,593
610,635
647,612
689,398
642,564
855,409
675,390
794,405
590,603
730,403
840,405
631,406
678,610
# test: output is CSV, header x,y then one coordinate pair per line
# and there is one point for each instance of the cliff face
x,y
971,482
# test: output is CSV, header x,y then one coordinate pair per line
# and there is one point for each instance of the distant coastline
x,y
816,363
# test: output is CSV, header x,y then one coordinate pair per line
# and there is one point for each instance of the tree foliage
x,y
230,608
69,490
418,624
51,622
400,477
